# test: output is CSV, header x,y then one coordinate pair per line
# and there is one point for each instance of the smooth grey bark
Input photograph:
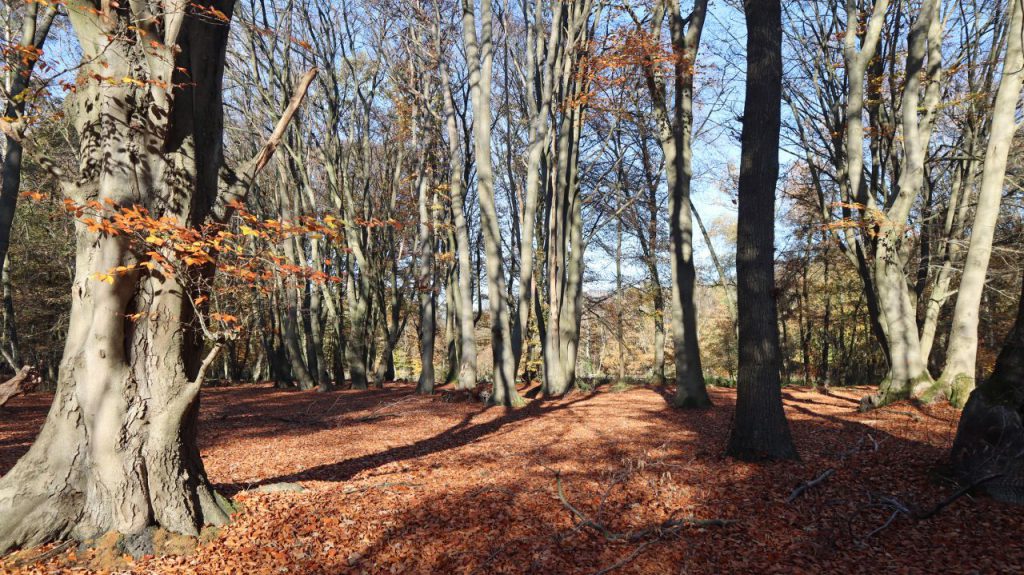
x,y
649,243
908,375
118,450
564,215
11,348
676,140
958,377
456,189
425,281
760,430
290,292
35,29
480,61
540,81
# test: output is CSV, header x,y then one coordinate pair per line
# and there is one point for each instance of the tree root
x,y
45,556
23,382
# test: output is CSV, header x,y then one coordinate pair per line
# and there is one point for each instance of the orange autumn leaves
x,y
245,250
615,64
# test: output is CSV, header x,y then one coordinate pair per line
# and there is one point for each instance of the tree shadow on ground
x,y
462,433
481,497
473,490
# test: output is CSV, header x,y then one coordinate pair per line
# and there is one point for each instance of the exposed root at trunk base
x,y
36,508
113,551
921,388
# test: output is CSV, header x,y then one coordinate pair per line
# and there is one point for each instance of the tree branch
x,y
805,485
235,185
24,381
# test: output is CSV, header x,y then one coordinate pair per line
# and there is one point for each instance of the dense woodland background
x,y
510,203
380,99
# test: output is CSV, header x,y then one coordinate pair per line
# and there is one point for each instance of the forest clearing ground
x,y
400,483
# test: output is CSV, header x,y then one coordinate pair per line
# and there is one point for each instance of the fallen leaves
x,y
442,487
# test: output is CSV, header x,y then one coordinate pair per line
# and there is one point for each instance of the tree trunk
x,y
34,31
908,374
425,282
356,350
760,430
464,307
480,58
118,449
957,378
10,335
675,137
990,437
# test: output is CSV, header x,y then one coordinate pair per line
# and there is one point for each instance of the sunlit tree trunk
x,y
908,375
957,378
480,59
676,136
118,450
565,245
35,28
456,189
425,282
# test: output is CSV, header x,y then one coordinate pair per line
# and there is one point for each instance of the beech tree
x,y
760,429
118,449
957,380
676,134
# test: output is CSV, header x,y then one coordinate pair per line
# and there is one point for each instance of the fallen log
x,y
23,382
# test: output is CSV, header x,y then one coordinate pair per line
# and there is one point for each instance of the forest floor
x,y
399,483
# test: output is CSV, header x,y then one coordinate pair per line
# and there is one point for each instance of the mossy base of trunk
x,y
961,390
513,402
890,392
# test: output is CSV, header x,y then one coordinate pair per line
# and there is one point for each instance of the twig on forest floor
x,y
899,508
384,485
666,528
805,485
45,555
375,412
875,444
628,558
646,537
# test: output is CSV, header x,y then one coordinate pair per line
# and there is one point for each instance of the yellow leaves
x,y
154,240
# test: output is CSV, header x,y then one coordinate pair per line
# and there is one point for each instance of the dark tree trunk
x,y
760,429
990,438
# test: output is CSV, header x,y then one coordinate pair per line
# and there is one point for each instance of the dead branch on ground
x,y
805,485
897,508
23,382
